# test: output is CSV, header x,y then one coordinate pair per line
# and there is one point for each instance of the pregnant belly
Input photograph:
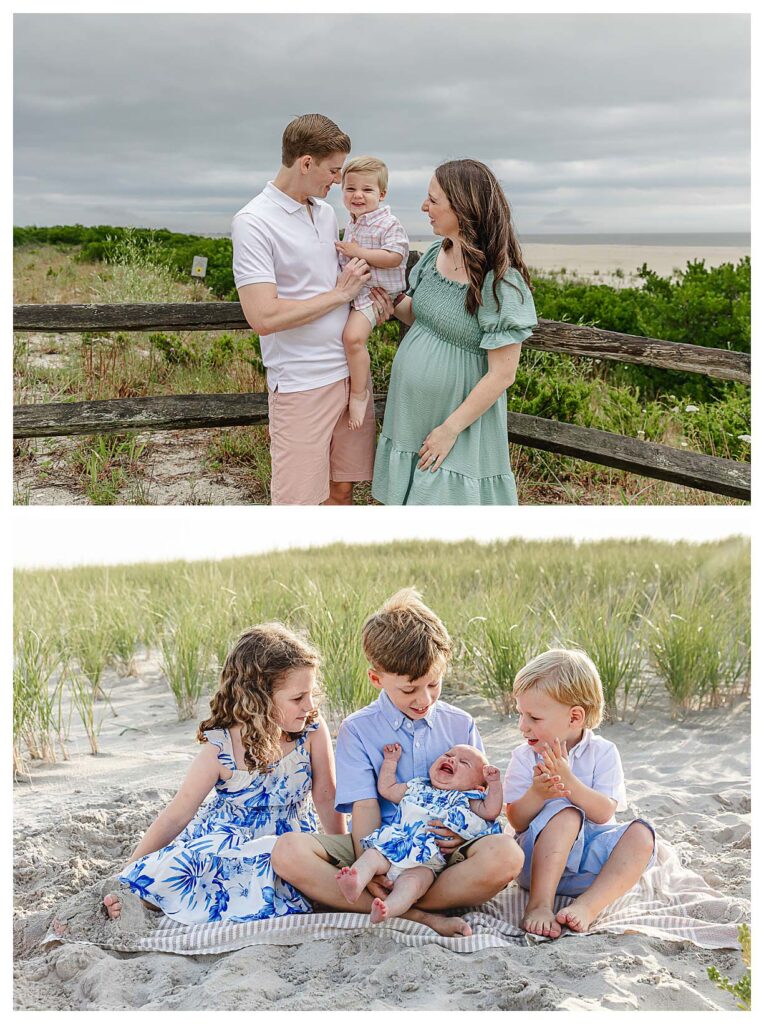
x,y
433,375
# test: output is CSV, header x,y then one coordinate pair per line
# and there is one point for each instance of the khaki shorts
x,y
342,853
312,444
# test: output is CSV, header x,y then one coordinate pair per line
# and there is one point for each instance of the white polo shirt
x,y
276,242
594,760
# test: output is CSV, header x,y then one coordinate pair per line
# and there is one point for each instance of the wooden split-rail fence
x,y
186,412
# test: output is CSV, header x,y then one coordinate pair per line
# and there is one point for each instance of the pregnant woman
x,y
444,437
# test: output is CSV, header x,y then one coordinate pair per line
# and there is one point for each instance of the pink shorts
x,y
312,444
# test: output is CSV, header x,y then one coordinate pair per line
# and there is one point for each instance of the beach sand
x,y
76,822
604,264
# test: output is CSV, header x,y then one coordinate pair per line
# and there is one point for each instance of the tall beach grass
x,y
656,618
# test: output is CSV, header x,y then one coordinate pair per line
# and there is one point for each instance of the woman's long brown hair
x,y
485,226
253,670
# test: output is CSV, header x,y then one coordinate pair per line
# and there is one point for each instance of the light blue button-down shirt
x,y
363,735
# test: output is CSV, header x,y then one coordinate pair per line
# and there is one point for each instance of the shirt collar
x,y
581,746
380,213
283,200
395,718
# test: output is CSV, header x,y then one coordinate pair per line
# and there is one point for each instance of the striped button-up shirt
x,y
379,229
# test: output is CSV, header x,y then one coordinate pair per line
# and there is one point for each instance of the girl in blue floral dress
x,y
463,791
267,755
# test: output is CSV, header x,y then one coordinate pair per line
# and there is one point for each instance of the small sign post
x,y
199,267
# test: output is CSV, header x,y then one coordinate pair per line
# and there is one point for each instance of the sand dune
x,y
76,822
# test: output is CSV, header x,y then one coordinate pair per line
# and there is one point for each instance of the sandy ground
x,y
175,470
75,823
617,264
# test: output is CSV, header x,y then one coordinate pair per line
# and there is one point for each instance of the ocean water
x,y
706,239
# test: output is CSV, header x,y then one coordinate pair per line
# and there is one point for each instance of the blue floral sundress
x,y
408,843
219,867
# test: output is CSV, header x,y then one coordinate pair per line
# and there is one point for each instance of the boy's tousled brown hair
x,y
405,637
312,135
485,227
568,676
367,165
251,674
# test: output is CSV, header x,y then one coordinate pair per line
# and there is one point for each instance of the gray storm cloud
x,y
592,122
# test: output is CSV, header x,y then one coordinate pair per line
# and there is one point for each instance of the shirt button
x,y
417,744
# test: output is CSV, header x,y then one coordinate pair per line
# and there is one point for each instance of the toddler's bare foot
x,y
350,884
357,408
112,906
577,916
540,920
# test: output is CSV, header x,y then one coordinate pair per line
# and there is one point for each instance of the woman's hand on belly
x,y
436,447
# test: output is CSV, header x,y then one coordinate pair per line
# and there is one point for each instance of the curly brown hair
x,y
485,227
252,672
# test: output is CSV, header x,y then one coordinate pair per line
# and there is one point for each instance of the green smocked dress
x,y
439,362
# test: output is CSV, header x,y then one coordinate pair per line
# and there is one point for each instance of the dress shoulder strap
x,y
221,738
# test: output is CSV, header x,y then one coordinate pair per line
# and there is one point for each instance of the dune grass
x,y
654,616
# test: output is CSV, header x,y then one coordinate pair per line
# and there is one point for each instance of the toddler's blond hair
x,y
568,676
405,637
367,165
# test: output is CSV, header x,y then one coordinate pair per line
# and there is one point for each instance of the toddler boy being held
x,y
375,235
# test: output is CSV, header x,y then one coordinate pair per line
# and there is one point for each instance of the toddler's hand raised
x,y
392,751
491,773
548,786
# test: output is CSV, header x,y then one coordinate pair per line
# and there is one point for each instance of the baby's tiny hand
x,y
348,248
392,751
490,773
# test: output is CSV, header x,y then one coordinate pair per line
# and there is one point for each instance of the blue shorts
x,y
592,847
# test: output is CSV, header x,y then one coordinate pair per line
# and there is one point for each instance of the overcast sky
x,y
594,123
97,536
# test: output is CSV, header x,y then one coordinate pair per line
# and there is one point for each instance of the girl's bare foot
x,y
378,911
577,916
112,905
540,920
357,408
349,883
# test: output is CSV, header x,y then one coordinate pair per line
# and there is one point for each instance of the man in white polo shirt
x,y
286,270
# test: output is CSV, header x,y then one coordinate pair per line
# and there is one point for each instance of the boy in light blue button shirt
x,y
408,649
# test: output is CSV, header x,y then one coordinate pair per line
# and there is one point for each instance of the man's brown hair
x,y
312,135
405,637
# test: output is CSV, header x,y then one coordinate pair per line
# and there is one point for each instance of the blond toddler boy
x,y
376,236
562,787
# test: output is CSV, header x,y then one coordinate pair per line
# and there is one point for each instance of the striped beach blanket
x,y
670,902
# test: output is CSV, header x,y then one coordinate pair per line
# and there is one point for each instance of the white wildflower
x,y
744,437
691,408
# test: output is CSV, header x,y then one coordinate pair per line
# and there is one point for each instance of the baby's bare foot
x,y
357,408
378,911
577,916
540,920
112,906
350,884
